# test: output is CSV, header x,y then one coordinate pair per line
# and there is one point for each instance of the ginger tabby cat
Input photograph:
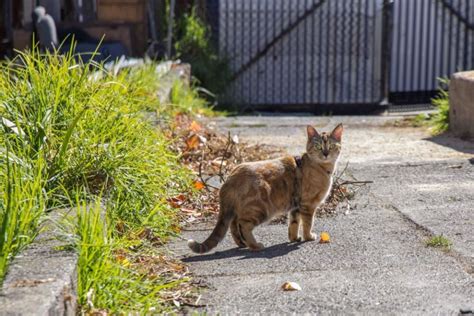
x,y
257,191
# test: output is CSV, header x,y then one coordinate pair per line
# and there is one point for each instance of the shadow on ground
x,y
451,141
268,253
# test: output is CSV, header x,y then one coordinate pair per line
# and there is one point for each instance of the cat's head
x,y
324,147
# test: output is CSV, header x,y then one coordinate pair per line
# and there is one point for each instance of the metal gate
x,y
304,53
431,39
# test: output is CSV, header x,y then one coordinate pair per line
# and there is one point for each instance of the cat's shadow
x,y
270,252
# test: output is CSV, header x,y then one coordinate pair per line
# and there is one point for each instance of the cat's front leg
x,y
307,218
294,220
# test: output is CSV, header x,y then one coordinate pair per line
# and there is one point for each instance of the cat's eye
x,y
318,146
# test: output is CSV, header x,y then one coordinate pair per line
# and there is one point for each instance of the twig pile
x,y
341,191
212,156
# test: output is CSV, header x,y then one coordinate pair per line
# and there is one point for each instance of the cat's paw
x,y
257,247
310,237
295,239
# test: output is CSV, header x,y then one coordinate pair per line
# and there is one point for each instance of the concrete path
x,y
377,261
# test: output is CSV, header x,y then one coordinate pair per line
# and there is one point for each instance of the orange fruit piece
x,y
324,238
199,185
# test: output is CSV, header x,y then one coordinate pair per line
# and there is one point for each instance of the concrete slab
x,y
41,280
377,261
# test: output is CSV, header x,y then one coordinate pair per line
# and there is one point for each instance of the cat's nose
x,y
325,153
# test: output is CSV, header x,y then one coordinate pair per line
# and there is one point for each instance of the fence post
x,y
387,32
170,30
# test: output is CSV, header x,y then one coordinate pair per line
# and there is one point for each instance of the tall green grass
x,y
103,281
69,133
21,206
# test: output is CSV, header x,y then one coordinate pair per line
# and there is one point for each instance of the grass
x,y
21,206
437,122
106,278
439,241
68,133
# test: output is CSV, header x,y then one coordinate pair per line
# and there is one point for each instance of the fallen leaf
x,y
324,238
235,139
176,201
195,127
291,286
199,185
219,161
192,142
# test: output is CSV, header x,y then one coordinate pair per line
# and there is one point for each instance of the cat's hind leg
x,y
246,227
294,220
234,229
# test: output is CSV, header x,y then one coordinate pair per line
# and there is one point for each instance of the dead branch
x,y
355,182
229,142
206,185
338,177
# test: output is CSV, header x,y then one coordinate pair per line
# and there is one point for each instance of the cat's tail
x,y
226,215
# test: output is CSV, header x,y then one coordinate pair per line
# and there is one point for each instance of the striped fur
x,y
226,215
257,191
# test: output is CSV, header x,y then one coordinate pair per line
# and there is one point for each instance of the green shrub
x,y
193,45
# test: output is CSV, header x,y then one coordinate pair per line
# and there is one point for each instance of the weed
x,y
439,122
439,241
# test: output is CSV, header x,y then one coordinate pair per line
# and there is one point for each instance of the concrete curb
x,y
41,280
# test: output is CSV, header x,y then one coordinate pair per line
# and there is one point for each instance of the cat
x,y
257,191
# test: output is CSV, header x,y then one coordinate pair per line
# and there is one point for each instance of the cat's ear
x,y
337,132
311,131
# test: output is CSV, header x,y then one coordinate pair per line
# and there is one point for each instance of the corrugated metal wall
x,y
331,56
431,39
286,52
